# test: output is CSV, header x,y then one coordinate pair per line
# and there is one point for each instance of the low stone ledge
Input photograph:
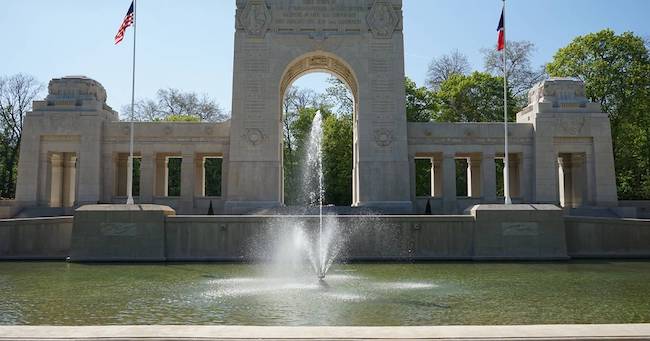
x,y
522,332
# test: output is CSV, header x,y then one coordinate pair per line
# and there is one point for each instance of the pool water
x,y
447,293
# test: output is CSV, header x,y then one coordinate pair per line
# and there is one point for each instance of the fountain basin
x,y
360,294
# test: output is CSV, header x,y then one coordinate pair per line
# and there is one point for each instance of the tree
x,y
176,103
337,159
474,98
420,102
521,76
340,96
616,72
440,69
16,95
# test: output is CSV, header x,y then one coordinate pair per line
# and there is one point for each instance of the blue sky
x,y
188,44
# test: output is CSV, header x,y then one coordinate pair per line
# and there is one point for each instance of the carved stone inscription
x,y
319,15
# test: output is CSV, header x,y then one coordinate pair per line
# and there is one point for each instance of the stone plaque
x,y
519,229
318,15
118,229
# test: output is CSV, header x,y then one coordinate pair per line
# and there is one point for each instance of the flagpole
x,y
506,164
129,176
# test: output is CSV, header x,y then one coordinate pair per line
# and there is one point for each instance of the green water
x,y
57,293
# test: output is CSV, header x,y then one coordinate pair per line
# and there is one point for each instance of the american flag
x,y
128,21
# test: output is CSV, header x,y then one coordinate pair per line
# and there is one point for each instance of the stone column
x,y
488,172
579,179
69,179
187,182
513,164
564,179
56,180
526,178
45,175
121,174
449,183
413,177
161,176
199,176
474,177
108,170
147,176
436,177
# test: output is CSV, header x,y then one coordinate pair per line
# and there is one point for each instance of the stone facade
x,y
74,148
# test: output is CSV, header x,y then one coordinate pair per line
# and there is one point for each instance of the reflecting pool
x,y
59,293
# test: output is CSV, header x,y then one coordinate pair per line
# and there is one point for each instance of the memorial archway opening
x,y
325,84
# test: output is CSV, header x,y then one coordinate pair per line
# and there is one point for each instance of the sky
x,y
188,44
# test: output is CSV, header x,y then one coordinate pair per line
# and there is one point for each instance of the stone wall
x,y
607,237
35,238
411,237
236,238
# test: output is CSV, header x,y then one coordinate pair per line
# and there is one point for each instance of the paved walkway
x,y
150,333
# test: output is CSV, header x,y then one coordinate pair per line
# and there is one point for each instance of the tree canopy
x,y
616,72
16,95
474,98
173,104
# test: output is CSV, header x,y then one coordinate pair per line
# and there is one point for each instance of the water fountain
x,y
313,187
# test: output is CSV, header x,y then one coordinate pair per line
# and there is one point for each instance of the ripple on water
x,y
346,297
404,285
257,286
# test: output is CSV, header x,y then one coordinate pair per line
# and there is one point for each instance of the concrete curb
x,y
523,332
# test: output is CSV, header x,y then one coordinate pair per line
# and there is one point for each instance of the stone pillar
x,y
413,177
199,176
187,182
108,177
564,179
45,175
121,174
514,181
147,176
56,180
436,177
526,178
31,186
69,179
579,180
488,172
161,176
449,183
474,177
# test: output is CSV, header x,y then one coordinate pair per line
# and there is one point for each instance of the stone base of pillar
x,y
519,232
113,233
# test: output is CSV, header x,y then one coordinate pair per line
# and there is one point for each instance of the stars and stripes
x,y
128,21
501,41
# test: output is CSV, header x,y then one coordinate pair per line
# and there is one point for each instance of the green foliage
x,y
135,190
181,118
337,159
461,177
477,97
213,177
616,71
16,95
420,102
174,176
423,177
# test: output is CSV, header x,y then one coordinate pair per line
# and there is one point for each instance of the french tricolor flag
x,y
501,42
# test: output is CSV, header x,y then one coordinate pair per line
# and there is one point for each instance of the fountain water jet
x,y
314,162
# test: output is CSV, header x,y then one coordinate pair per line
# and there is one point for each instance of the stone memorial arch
x,y
358,41
74,148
